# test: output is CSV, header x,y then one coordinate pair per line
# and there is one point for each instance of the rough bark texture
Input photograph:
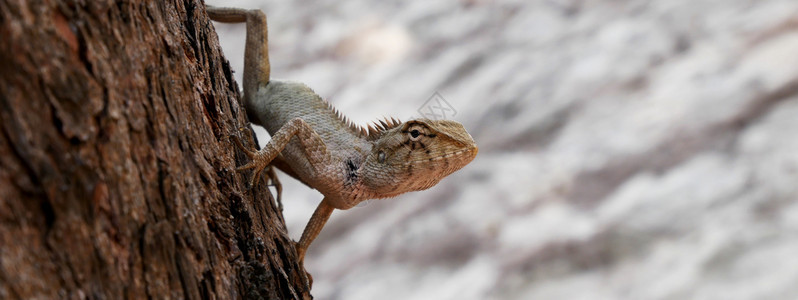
x,y
117,179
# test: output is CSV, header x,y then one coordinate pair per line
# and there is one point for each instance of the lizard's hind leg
x,y
256,53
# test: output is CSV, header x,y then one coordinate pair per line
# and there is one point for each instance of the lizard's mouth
x,y
471,151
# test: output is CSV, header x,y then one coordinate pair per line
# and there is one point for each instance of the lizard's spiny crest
x,y
370,132
379,127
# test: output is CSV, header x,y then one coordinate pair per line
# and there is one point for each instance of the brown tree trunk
x,y
117,179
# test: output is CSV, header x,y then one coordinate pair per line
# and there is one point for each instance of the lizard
x,y
315,143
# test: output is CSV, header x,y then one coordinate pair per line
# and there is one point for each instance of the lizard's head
x,y
415,155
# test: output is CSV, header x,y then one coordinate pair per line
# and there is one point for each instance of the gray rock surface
x,y
628,149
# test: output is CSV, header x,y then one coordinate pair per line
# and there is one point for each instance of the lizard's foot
x,y
259,161
308,277
301,253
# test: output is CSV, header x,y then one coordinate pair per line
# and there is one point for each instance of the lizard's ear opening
x,y
381,157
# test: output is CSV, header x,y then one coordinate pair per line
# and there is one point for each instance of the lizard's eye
x,y
414,134
381,157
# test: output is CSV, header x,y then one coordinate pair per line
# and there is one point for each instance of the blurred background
x,y
628,149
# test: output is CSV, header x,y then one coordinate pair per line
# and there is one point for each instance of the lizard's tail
x,y
256,54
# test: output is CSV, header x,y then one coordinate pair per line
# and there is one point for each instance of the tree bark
x,y
117,177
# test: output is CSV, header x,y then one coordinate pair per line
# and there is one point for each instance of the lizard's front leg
x,y
310,142
316,223
315,150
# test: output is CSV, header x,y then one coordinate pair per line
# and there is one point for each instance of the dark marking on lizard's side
x,y
351,170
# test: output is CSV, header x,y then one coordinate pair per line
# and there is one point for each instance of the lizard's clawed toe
x,y
249,165
255,176
251,154
310,278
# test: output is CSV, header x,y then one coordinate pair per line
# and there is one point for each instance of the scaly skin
x,y
317,145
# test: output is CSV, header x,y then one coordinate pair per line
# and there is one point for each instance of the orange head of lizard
x,y
415,155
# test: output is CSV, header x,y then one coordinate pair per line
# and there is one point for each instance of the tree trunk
x,y
117,178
